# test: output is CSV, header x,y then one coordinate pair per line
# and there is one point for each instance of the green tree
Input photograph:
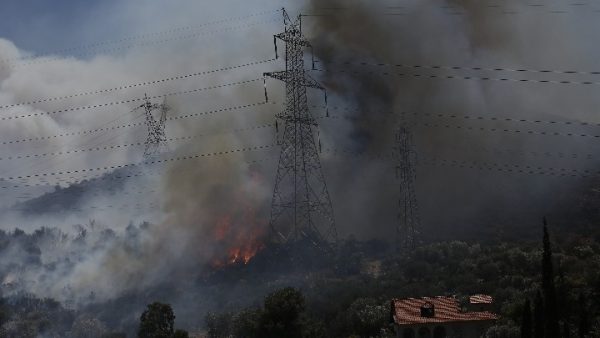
x,y
313,328
526,328
218,325
551,325
584,324
566,330
4,311
246,323
281,315
181,334
157,321
538,316
88,327
367,317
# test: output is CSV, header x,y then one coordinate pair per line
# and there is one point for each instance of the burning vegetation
x,y
238,244
239,236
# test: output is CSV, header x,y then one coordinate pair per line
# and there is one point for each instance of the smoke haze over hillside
x,y
189,201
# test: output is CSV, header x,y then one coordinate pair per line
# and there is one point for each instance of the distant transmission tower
x,y
407,230
156,141
301,208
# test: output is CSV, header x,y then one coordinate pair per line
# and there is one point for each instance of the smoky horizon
x,y
167,151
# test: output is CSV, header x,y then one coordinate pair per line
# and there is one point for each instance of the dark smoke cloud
x,y
457,32
197,196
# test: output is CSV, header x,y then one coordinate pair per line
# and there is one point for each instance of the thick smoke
x,y
455,33
209,207
205,210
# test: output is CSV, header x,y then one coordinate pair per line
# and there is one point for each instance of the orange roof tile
x,y
408,311
481,299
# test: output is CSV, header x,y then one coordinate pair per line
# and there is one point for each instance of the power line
x,y
101,177
77,180
466,68
501,10
216,111
126,206
270,125
252,128
508,11
128,100
470,118
76,151
164,96
547,154
96,191
158,161
47,160
505,119
143,36
460,77
131,125
513,168
134,144
509,130
113,147
492,151
143,44
140,84
486,166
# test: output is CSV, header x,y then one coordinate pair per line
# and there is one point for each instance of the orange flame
x,y
239,234
241,241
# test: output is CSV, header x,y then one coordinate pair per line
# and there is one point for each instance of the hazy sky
x,y
41,26
533,38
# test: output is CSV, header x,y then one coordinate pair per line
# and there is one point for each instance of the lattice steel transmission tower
x,y
301,207
408,227
156,142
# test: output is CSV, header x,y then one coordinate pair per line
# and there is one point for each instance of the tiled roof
x,y
408,311
481,299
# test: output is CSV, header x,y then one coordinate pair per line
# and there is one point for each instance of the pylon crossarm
x,y
293,36
285,76
281,76
312,83
306,120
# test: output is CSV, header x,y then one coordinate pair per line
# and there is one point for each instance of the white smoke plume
x,y
184,200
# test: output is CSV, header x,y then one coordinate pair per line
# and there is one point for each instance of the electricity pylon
x,y
301,207
156,142
408,227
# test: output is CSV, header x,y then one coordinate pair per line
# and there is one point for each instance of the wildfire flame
x,y
239,233
239,239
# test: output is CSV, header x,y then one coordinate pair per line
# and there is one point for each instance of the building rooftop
x,y
434,310
481,299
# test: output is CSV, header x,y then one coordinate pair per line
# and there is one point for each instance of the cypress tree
x,y
562,297
566,329
157,321
551,324
583,325
526,329
538,316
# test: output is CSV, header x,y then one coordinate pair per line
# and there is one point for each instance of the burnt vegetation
x,y
345,293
